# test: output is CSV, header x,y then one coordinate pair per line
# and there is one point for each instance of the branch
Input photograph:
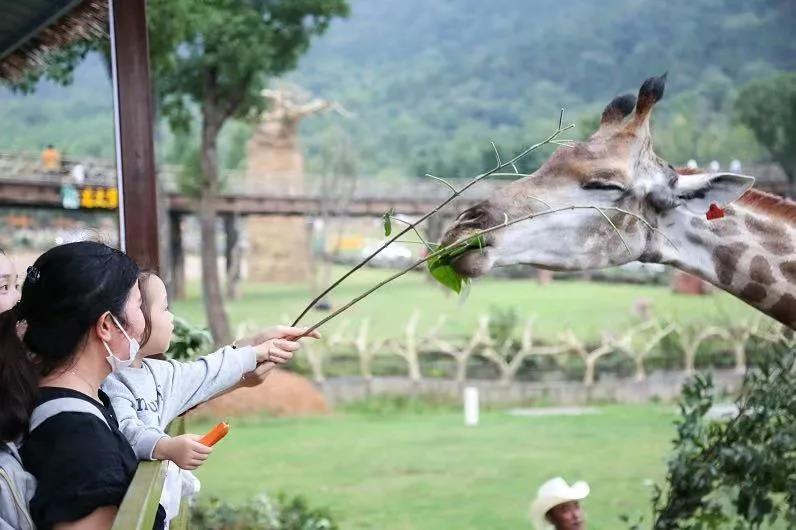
x,y
455,194
464,242
414,229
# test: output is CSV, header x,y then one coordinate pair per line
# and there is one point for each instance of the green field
x,y
430,472
586,307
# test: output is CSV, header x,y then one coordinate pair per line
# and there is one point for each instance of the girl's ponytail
x,y
18,379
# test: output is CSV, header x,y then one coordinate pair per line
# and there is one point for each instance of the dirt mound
x,y
282,394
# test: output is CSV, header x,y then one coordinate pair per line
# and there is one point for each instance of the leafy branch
x,y
499,166
443,257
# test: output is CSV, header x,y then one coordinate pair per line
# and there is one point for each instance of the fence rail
x,y
140,504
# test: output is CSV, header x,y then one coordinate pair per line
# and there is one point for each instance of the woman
x,y
74,323
78,320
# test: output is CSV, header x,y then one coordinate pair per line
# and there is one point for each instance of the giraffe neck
x,y
750,253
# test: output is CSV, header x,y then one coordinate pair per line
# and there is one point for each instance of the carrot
x,y
215,434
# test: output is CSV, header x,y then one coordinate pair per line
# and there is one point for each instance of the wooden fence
x,y
140,503
508,354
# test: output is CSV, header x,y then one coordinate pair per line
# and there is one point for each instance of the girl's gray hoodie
x,y
147,399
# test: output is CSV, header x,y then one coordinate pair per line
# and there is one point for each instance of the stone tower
x,y
279,245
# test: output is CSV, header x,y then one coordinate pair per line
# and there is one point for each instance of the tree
x,y
213,56
768,107
736,473
217,56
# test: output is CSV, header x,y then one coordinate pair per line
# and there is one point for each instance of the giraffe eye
x,y
602,185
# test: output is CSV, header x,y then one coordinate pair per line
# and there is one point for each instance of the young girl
x,y
151,393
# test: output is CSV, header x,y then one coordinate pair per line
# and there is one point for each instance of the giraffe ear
x,y
697,192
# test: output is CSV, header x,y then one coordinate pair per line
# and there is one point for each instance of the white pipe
x,y
117,127
471,406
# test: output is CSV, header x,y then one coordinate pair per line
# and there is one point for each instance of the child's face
x,y
161,317
9,284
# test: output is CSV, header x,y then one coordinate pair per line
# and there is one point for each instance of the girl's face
x,y
9,284
162,321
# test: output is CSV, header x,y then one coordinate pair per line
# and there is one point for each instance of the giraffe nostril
x,y
471,215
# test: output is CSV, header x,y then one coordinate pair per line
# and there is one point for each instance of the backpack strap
x,y
51,408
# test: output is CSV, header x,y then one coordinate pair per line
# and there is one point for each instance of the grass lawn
x,y
430,472
586,307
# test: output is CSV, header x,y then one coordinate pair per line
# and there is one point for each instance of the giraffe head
x,y
615,168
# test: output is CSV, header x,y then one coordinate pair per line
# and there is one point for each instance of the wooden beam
x,y
135,153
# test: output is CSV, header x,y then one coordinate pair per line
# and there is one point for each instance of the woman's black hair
x,y
65,292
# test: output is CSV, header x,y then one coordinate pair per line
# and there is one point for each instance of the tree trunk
x,y
216,313
641,373
177,257
740,356
232,255
461,369
690,360
588,375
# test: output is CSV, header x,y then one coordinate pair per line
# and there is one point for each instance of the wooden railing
x,y
140,504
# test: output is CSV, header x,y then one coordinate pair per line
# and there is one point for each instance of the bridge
x,y
24,184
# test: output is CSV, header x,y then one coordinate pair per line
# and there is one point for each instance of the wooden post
x,y
133,116
177,256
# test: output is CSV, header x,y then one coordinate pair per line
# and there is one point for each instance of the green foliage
x,y
388,406
768,107
737,474
261,513
440,266
432,83
188,181
219,54
387,222
187,341
503,322
447,275
449,76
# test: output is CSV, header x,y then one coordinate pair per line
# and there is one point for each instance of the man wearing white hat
x,y
557,505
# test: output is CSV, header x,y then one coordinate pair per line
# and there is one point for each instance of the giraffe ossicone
x,y
657,214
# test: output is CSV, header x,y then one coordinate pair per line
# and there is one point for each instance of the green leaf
x,y
387,218
446,275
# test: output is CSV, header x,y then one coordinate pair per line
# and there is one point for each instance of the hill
x,y
430,83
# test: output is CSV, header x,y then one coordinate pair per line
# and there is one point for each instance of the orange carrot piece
x,y
215,434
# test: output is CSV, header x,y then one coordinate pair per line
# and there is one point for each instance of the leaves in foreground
x,y
441,265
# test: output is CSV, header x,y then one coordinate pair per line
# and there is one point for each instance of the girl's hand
x,y
279,332
184,450
277,351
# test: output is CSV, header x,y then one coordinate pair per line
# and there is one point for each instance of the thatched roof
x,y
31,30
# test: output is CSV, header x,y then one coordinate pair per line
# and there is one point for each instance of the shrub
x,y
260,513
738,473
188,341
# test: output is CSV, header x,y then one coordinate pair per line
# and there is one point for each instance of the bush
x,y
260,513
740,473
188,341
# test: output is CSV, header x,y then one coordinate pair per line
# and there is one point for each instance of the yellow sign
x,y
98,197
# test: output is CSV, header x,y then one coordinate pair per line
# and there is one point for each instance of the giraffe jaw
x,y
474,263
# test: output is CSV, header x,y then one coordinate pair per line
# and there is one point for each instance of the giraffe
x,y
750,252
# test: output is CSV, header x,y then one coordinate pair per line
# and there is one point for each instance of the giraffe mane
x,y
761,201
770,204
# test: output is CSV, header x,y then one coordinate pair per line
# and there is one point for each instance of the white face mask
x,y
116,363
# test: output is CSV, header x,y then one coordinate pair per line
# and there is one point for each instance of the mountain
x,y
429,84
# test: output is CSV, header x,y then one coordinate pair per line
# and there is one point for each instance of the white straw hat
x,y
552,493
